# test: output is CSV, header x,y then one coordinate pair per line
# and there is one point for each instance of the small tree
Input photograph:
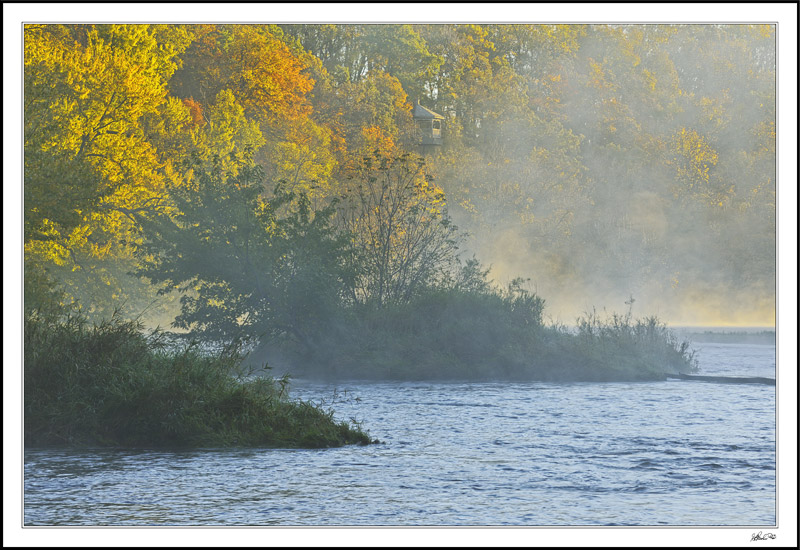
x,y
403,238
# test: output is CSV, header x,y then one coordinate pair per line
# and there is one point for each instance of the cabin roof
x,y
421,112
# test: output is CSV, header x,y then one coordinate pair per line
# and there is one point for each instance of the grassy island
x,y
110,384
480,335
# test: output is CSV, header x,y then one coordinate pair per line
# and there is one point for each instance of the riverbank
x,y
112,385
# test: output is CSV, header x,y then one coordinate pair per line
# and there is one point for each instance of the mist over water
x,y
699,299
704,305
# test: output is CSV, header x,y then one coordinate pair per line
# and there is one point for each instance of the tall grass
x,y
616,347
110,384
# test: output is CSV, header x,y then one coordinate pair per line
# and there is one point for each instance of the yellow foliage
x,y
306,160
377,139
695,156
650,79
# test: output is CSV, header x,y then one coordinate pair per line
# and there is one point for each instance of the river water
x,y
672,453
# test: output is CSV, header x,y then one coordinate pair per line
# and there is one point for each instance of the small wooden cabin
x,y
429,125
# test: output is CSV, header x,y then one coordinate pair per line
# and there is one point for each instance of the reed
x,y
616,347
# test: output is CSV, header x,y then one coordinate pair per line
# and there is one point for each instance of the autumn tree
x,y
89,161
403,238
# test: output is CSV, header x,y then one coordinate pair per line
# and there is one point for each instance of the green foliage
x,y
227,135
619,347
41,293
110,384
247,265
356,51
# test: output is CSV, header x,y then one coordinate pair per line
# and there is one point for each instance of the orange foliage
x,y
195,110
270,81
263,73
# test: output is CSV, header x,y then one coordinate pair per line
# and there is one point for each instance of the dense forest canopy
x,y
270,173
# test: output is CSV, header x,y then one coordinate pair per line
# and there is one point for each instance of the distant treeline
x,y
733,337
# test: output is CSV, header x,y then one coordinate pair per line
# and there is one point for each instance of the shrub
x,y
110,384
